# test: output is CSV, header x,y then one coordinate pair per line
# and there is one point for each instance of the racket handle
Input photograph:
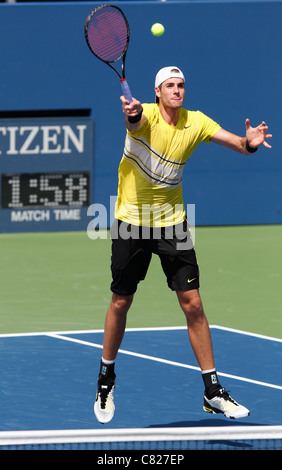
x,y
126,90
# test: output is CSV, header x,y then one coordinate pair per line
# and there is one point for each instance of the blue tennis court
x,y
48,380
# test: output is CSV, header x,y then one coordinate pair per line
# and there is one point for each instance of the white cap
x,y
166,73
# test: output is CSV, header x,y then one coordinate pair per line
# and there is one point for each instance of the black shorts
x,y
132,249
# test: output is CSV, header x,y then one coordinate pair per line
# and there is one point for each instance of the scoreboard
x,y
46,175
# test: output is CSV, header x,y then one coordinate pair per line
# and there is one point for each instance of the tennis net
x,y
160,439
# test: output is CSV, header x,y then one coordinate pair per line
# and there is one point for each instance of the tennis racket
x,y
107,35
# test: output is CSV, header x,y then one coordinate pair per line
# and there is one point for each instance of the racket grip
x,y
126,90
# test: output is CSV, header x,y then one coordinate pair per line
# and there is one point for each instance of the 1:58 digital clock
x,y
45,190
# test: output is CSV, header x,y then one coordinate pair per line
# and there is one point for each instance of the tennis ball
x,y
157,29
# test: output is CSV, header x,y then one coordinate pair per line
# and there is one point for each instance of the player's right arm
x,y
135,118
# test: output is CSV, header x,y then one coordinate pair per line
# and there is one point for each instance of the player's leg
x,y
115,323
198,328
180,265
130,261
216,398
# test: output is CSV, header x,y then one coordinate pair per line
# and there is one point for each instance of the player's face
x,y
171,93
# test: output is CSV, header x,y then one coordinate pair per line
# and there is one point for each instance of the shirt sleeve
x,y
209,127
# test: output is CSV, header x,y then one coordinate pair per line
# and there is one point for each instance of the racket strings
x,y
107,35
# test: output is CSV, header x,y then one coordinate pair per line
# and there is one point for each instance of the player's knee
x,y
194,311
192,307
121,304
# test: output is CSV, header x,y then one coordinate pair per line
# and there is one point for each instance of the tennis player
x,y
150,218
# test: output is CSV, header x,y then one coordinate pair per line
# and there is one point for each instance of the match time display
x,y
46,167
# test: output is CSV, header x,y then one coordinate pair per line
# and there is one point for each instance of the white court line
x,y
246,333
74,332
164,361
157,328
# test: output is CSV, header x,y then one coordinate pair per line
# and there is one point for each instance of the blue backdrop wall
x,y
230,54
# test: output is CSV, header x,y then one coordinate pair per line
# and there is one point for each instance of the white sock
x,y
107,362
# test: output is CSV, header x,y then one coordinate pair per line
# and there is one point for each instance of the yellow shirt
x,y
150,172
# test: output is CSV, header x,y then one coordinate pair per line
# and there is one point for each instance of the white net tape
x,y
17,438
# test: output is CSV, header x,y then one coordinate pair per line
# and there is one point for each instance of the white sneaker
x,y
223,403
104,407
